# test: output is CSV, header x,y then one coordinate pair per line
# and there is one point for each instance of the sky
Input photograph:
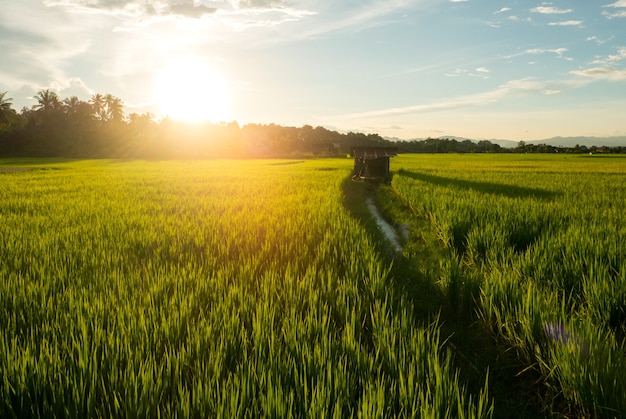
x,y
481,69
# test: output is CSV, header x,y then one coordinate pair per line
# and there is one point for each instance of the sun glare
x,y
193,91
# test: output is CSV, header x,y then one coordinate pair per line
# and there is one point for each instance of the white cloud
x,y
598,40
37,45
617,5
188,8
137,14
519,19
503,10
621,13
549,10
612,58
602,73
73,86
513,88
560,52
456,73
369,15
481,72
566,23
242,19
621,54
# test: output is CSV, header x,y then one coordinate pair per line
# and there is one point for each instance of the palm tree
x,y
98,104
71,105
115,108
5,108
78,111
47,101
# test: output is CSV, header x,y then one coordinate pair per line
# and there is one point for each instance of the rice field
x,y
537,247
222,289
260,288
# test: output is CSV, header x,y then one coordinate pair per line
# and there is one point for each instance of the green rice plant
x,y
543,238
587,363
206,289
605,300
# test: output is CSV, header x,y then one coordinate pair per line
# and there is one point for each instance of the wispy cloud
x,y
190,10
514,18
242,19
621,13
140,13
72,86
456,73
602,73
503,10
567,23
620,4
370,14
513,88
549,10
598,40
612,58
481,72
560,52
36,46
188,7
605,67
621,54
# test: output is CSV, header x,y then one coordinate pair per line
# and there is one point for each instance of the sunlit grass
x,y
539,244
206,289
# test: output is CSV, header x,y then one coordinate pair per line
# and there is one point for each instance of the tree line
x,y
71,127
523,147
99,127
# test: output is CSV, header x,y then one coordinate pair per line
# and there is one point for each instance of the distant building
x,y
372,163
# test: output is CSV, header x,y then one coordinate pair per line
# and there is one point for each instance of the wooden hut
x,y
372,163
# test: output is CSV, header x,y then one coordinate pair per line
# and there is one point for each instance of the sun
x,y
191,90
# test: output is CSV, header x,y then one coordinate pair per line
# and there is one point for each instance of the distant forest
x,y
71,127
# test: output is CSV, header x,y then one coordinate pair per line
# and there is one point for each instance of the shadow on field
x,y
33,161
445,294
511,191
407,280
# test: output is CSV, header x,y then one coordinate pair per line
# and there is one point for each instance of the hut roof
x,y
373,153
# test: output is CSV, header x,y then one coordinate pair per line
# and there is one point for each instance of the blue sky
x,y
483,69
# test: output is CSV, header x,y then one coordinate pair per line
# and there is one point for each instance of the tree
x,y
107,108
522,147
71,105
46,125
142,130
6,111
98,104
78,119
47,101
114,108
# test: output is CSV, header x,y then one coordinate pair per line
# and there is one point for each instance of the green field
x,y
538,245
262,288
